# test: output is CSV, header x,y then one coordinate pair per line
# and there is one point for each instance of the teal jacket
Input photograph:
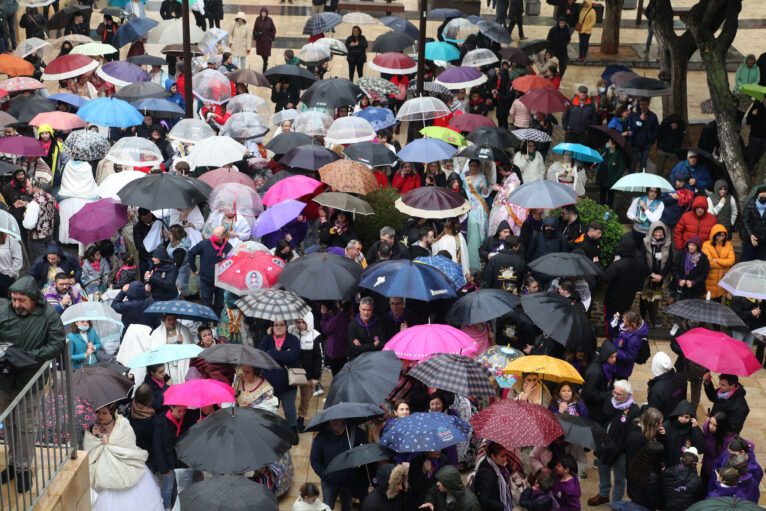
x,y
745,75
78,346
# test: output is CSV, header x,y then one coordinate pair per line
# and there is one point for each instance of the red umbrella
x,y
21,146
517,424
223,175
545,100
58,120
528,82
469,122
248,272
68,66
718,352
394,63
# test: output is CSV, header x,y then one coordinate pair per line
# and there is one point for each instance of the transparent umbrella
x,y
349,130
9,225
190,131
249,103
458,30
216,152
212,37
106,321
29,46
312,123
236,198
422,109
114,183
135,152
314,52
171,31
288,114
212,86
336,46
479,57
244,126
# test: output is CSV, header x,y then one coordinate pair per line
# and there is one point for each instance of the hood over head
x,y
626,247
502,225
162,254
45,128
683,408
453,176
606,351
661,364
28,286
750,55
136,291
700,202
450,478
53,248
717,228
653,227
550,221
720,183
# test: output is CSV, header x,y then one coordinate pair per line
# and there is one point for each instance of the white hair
x,y
625,386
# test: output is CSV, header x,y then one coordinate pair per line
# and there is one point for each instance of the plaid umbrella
x,y
706,311
377,86
348,176
322,22
531,134
432,88
454,373
516,424
450,268
274,305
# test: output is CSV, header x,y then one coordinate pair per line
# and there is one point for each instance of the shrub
x,y
382,202
589,210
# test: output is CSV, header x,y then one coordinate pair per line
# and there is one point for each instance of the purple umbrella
x,y
276,217
97,221
122,73
461,77
21,146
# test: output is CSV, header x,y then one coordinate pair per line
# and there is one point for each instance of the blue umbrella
x,y
438,50
420,432
69,98
408,280
183,309
276,217
133,30
110,112
426,150
164,354
161,108
380,118
579,152
400,25
453,270
610,70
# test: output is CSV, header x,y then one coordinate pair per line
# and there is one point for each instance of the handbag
x,y
578,25
296,376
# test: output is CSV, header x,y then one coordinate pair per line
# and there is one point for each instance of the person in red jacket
x,y
697,222
407,179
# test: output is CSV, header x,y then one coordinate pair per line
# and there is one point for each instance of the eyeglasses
x,y
279,325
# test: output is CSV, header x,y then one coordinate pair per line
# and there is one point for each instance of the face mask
x,y
215,239
83,328
602,90
762,200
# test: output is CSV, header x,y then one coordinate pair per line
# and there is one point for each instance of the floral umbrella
x,y
348,176
496,359
86,145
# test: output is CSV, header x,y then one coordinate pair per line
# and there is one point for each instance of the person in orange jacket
x,y
697,222
721,257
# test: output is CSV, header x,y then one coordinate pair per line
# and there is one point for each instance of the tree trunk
x,y
678,71
610,33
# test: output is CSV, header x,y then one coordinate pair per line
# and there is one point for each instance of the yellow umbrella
x,y
549,368
445,134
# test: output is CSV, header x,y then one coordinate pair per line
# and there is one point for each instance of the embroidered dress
x,y
478,217
504,210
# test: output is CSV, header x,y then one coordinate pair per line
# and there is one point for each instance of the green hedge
x,y
382,202
589,210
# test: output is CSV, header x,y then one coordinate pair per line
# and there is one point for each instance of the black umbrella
x,y
61,18
228,493
585,433
332,93
563,320
400,25
370,153
146,60
682,153
445,13
286,141
484,153
115,12
353,412
566,264
279,176
25,108
321,276
366,379
7,167
392,42
706,311
141,90
534,46
358,456
309,157
495,32
648,87
235,441
512,54
298,76
164,191
492,136
481,306
177,50
239,354
13,358
100,386
600,134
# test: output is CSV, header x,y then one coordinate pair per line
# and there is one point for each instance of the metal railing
x,y
38,433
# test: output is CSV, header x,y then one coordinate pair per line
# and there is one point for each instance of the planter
x,y
629,4
533,8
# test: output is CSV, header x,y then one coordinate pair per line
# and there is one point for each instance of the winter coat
x,y
743,307
239,35
587,18
735,406
558,39
666,391
158,393
611,169
170,9
386,496
669,139
625,277
163,276
645,492
166,434
333,239
420,484
540,245
326,446
697,275
67,263
617,425
662,265
398,251
725,212
752,222
673,209
311,348
580,116
209,257
746,489
679,437
504,270
404,184
699,172
682,487
644,134
132,310
34,24
692,225
627,345
535,500
597,389
449,477
747,75
335,328
283,97
264,33
486,487
721,259
492,244
366,334
288,356
356,54
78,346
214,9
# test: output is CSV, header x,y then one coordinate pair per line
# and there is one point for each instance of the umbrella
x,y
312,123
420,432
422,109
545,100
469,122
141,90
370,153
439,50
725,504
58,120
248,272
426,150
100,386
114,183
322,22
424,341
450,268
482,306
9,168
352,412
147,60
106,321
190,131
335,46
623,76
548,368
171,31
164,354
534,46
458,30
225,175
531,134
600,134
298,76
494,32
276,217
292,187
359,18
15,66
21,146
211,37
97,221
495,359
244,126
379,118
344,202
248,76
746,279
199,393
644,87
25,107
72,38
400,25
239,354
407,279
392,42
68,98
20,83
579,152
135,152
274,305
164,191
512,54
357,456
445,134
9,225
516,424
432,202
479,57
183,309
321,276
640,181
110,112
248,103
177,50
609,71
237,199
566,264
68,66
215,152
288,114
314,53
492,136
527,83
718,352
348,176
445,13
753,90
286,141
93,49
332,93
706,311
29,46
454,373
240,494
366,379
461,77
133,30
86,145
376,87
585,433
562,320
161,108
543,194
350,130
211,86
236,440
394,63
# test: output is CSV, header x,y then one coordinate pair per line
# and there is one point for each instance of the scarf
x,y
23,187
479,198
373,321
760,207
158,382
214,240
278,342
139,411
726,395
609,371
175,422
503,480
96,265
691,261
623,406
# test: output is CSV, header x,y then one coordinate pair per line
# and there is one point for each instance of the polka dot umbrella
x,y
516,424
432,431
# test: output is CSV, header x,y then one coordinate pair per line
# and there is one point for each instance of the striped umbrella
x,y
274,305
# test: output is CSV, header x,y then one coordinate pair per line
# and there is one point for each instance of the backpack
x,y
644,352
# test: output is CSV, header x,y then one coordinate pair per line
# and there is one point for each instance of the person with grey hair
x,y
387,235
354,251
366,332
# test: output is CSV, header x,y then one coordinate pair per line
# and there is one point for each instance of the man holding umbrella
x,y
330,442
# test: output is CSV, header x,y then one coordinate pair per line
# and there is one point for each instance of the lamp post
x,y
187,60
422,11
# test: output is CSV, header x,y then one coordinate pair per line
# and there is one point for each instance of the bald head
x,y
219,231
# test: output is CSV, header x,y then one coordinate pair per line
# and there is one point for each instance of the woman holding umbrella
x,y
570,172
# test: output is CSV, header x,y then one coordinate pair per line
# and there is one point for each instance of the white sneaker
x,y
318,391
674,329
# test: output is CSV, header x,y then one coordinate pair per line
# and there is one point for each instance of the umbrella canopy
x,y
199,393
135,152
240,494
183,309
100,386
445,13
609,71
492,136
171,31
718,352
585,433
87,145
276,217
161,108
746,279
332,93
321,276
547,368
470,122
29,46
21,146
96,221
236,440
239,354
274,305
563,321
211,86
236,199
312,123
344,202
420,432
141,90
400,25
225,175
110,186
190,131
147,60
68,98
298,76
424,341
335,46
494,32
359,18
644,87
445,134
545,100
640,181
322,22
58,120
350,130
725,504
135,29
292,187
248,273
370,153
454,373
378,118
93,49
358,456
453,270
461,77
621,77
288,114
393,63
495,359
286,141
366,379
438,50
543,194
579,152
9,225
484,153
164,191
244,126
177,50
432,202
211,38
482,306
707,311
479,57
350,412
67,66
110,112
516,424
16,66
25,107
534,46
313,53
348,176
393,42
376,87
164,354
458,30
600,134
248,76
515,55
531,134
422,109
216,151
20,83
527,83
753,90
566,264
407,279
426,150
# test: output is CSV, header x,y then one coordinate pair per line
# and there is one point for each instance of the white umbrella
x,y
350,130
235,197
114,183
190,131
212,86
312,122
336,46
135,152
359,18
314,52
171,32
9,225
212,37
93,49
249,103
216,152
29,46
422,109
479,57
288,114
39,3
244,126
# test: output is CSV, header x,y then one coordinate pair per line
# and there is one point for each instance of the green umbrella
x,y
753,90
725,503
640,181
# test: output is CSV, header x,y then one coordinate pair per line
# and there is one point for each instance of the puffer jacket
x,y
692,225
720,257
627,345
386,496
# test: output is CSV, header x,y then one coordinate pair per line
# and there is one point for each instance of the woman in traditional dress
x,y
251,389
477,188
504,210
569,172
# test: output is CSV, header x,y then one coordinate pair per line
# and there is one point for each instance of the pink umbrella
x,y
718,352
290,188
58,120
97,221
423,341
199,393
226,175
